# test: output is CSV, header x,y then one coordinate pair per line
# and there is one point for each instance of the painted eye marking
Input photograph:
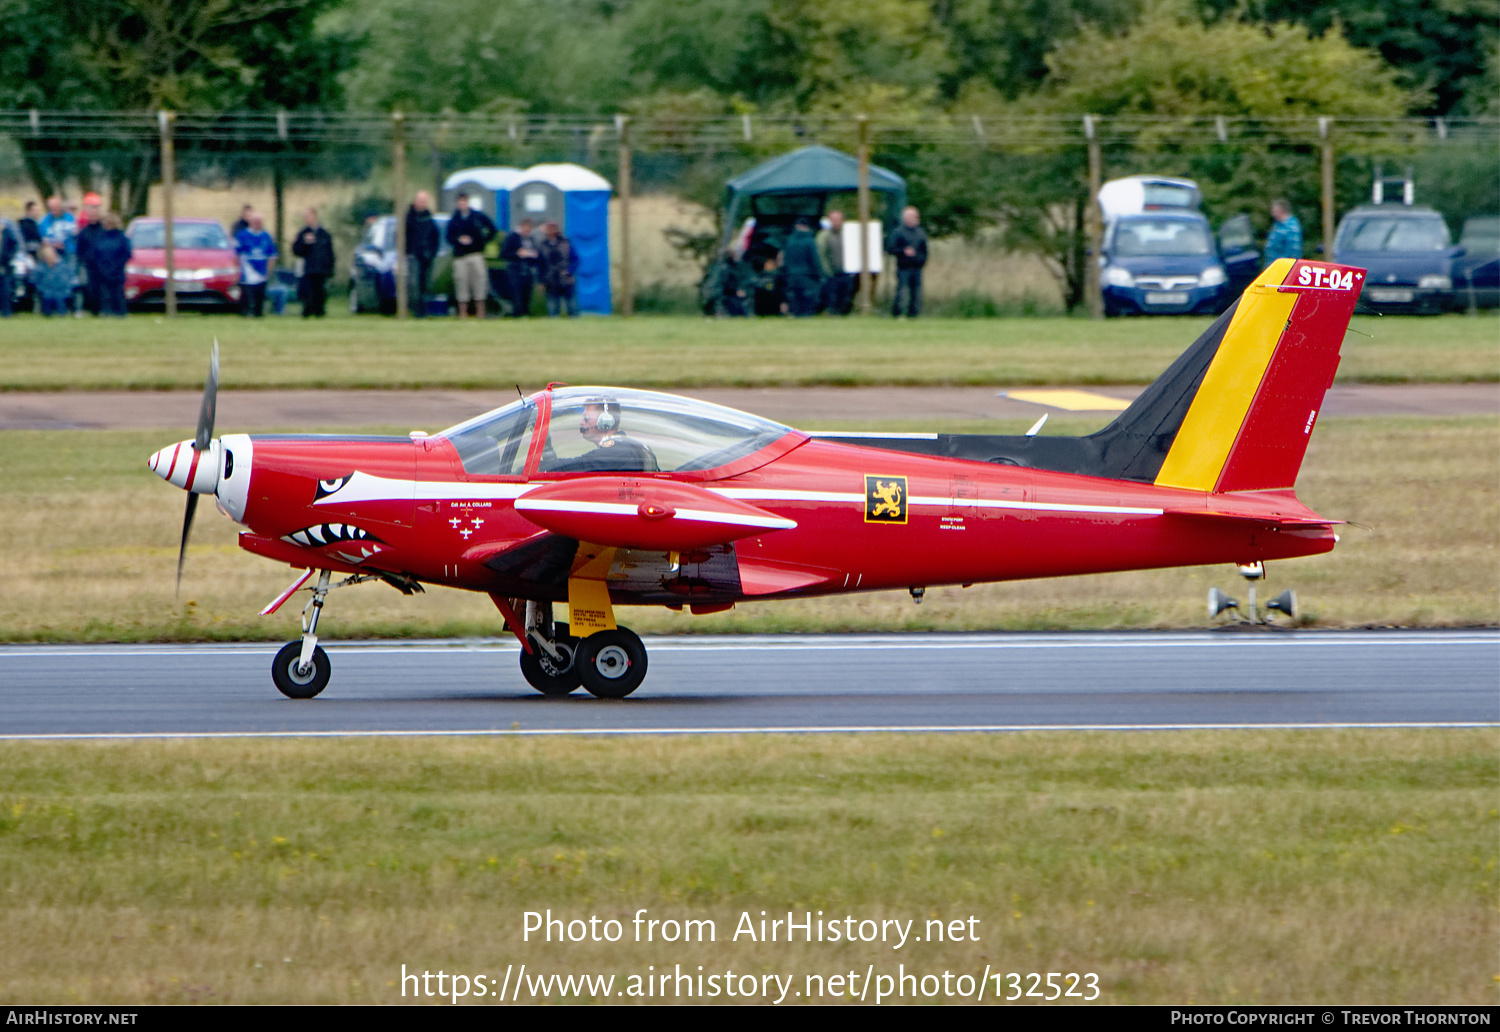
x,y
328,487
329,534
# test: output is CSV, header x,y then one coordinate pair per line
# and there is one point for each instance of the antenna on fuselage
x,y
1035,427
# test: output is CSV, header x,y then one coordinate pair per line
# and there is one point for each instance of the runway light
x,y
1285,604
1218,602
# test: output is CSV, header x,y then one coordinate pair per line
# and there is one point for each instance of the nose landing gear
x,y
301,669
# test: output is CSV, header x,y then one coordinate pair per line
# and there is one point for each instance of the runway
x,y
895,682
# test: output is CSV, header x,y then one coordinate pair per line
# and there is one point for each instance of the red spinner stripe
x,y
173,467
193,469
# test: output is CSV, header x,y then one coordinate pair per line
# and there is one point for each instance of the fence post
x,y
1325,133
278,182
398,188
627,282
866,301
1093,222
168,188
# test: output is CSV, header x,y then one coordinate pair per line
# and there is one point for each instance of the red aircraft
x,y
602,497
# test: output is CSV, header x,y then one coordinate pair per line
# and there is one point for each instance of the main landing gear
x,y
607,664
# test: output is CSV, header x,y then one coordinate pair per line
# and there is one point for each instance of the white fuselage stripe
x,y
626,509
362,487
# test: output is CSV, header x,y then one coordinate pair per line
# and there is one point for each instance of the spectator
x,y
315,247
804,271
731,284
257,253
838,288
109,253
10,245
89,228
243,222
59,228
520,255
53,281
1285,238
31,233
422,243
767,287
468,231
557,266
908,242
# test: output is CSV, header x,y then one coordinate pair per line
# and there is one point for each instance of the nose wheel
x,y
301,669
296,681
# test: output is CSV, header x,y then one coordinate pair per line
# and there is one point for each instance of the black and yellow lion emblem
x,y
885,499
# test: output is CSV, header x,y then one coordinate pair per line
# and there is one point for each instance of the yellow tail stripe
x,y
1218,410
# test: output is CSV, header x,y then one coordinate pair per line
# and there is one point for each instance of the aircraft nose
x,y
184,466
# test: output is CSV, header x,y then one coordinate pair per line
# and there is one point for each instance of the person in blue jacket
x,y
1285,238
257,252
109,253
53,280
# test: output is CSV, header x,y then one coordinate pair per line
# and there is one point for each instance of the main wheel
x,y
294,684
611,664
544,673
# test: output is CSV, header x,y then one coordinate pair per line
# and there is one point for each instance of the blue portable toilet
x,y
488,190
578,201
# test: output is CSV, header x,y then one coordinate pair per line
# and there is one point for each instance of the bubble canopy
x,y
611,429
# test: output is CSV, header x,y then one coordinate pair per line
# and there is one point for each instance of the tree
x,y
1441,49
201,55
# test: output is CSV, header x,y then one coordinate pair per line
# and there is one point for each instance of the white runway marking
x,y
832,730
819,643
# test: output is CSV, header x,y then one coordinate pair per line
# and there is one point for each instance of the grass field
x,y
90,542
149,353
1354,867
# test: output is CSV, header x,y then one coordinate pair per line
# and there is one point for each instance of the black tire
x,y
611,664
298,686
541,670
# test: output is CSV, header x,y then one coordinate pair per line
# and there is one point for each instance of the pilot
x,y
613,450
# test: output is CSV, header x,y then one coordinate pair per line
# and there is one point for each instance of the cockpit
x,y
608,430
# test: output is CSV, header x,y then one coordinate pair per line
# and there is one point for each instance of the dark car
x,y
1476,272
1167,263
1407,252
372,277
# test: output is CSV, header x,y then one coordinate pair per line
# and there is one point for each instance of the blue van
x,y
1160,255
1408,253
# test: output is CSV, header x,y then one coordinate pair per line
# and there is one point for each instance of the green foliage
x,y
1443,49
1169,63
201,55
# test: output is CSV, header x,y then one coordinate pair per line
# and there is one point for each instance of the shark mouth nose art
x,y
329,534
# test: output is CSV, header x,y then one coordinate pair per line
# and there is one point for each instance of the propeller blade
x,y
200,443
210,402
187,527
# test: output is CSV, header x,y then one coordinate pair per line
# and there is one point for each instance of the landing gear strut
x,y
549,666
301,669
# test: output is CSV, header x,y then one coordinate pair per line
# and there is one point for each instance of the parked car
x,y
207,269
1408,255
372,274
1476,272
1160,256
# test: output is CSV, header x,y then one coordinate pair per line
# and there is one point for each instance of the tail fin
x,y
1232,413
1249,422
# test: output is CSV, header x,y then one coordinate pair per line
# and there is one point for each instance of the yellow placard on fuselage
x,y
589,607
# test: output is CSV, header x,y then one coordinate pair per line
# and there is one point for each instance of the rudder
x,y
1250,420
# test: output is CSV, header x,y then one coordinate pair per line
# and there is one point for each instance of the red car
x,y
208,270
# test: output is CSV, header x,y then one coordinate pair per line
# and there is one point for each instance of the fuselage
x,y
865,519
